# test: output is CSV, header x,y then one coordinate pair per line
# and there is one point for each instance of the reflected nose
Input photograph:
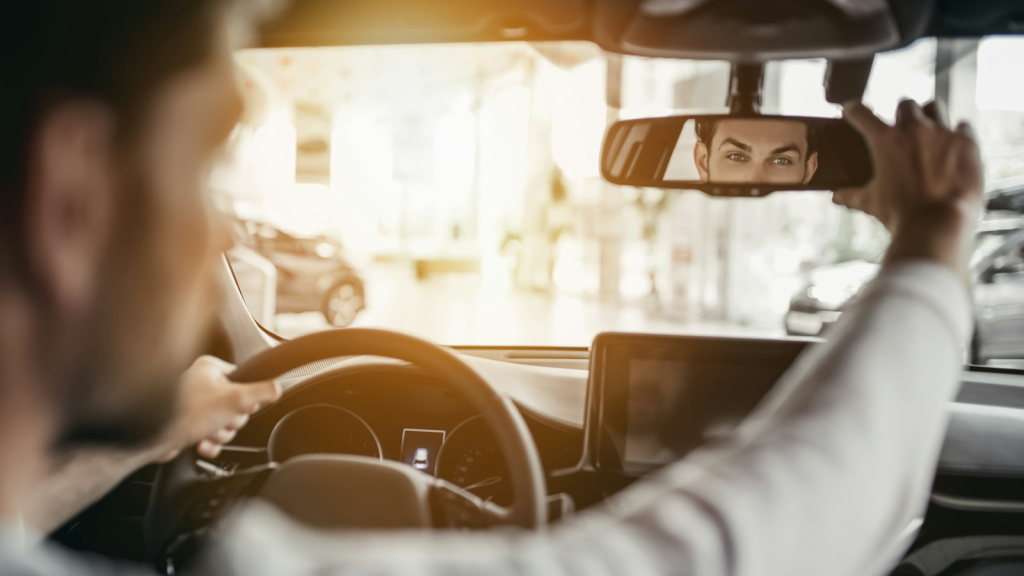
x,y
758,175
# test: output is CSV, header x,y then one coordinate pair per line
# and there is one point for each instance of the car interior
x,y
380,429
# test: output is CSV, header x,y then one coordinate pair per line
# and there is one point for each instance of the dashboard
x,y
583,422
394,411
401,413
398,412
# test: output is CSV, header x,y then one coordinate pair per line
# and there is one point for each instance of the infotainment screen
x,y
657,398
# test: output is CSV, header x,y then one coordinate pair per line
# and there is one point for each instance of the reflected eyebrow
x,y
787,148
736,143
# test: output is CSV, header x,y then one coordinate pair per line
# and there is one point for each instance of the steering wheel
x,y
340,491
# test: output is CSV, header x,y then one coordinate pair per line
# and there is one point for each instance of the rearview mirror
x,y
735,155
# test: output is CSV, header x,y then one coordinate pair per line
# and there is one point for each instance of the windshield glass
x,y
453,192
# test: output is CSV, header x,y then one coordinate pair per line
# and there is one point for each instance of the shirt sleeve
x,y
821,479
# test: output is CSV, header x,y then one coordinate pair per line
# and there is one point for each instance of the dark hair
x,y
705,129
117,52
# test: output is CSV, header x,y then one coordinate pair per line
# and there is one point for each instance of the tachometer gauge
x,y
322,429
471,459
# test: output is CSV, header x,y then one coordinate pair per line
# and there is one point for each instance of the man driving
x,y
66,289
755,150
111,113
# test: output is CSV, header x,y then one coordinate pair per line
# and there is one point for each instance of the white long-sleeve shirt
x,y
823,478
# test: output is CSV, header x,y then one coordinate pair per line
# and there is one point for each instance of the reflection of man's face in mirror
x,y
754,151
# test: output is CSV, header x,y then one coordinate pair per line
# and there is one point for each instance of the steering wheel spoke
x,y
455,507
202,493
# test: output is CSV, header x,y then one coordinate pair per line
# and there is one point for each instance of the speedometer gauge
x,y
322,429
471,459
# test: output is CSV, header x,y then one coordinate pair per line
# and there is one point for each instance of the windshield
x,y
452,192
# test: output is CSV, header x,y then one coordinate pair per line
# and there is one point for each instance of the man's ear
x,y
810,167
700,159
70,200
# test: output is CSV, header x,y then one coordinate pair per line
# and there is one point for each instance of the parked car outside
x,y
820,301
1008,196
997,271
313,272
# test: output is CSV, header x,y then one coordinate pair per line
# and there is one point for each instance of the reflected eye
x,y
781,161
736,157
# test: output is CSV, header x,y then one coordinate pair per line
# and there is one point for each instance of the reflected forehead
x,y
763,133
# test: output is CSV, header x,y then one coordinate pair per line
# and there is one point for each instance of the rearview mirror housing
x,y
735,156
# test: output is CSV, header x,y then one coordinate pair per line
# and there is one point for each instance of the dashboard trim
x,y
977,504
983,439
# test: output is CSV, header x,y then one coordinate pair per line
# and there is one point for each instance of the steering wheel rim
x,y
525,469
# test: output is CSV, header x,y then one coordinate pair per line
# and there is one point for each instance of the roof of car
x,y
757,29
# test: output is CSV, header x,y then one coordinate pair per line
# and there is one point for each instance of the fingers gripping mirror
x,y
746,156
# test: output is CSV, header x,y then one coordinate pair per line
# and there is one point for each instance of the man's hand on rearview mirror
x,y
211,408
927,183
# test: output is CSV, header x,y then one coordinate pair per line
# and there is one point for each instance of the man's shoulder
x,y
49,560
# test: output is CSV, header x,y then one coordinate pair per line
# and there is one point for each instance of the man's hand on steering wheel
x,y
211,408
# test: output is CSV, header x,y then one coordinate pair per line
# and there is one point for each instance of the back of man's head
x,y
118,52
103,333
